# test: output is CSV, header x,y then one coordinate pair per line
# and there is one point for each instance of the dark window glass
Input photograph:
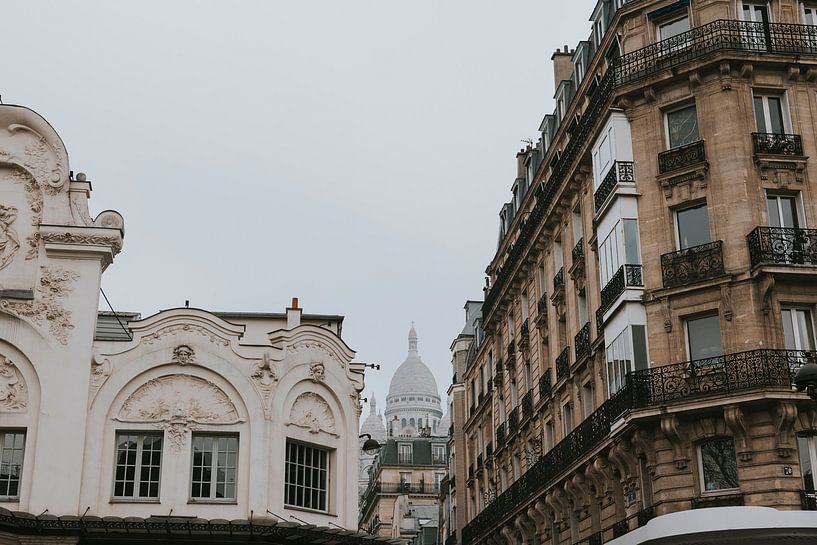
x,y
307,476
682,126
693,226
719,465
704,336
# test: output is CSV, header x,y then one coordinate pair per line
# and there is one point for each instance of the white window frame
x,y
798,203
803,308
588,403
137,480
401,455
567,423
214,467
438,454
784,106
813,7
19,479
669,20
741,3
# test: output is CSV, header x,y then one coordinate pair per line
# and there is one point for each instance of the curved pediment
x,y
185,320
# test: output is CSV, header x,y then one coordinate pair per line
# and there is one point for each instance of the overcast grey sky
x,y
352,153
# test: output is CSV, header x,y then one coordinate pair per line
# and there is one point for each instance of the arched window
x,y
411,422
403,423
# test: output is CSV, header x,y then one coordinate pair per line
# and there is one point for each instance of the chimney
x,y
562,67
293,314
520,162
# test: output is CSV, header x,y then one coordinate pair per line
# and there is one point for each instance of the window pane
x,y
776,114
704,337
306,477
674,28
788,205
632,256
803,444
805,329
693,226
682,126
774,211
719,465
760,116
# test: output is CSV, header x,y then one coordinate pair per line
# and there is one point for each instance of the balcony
x,y
693,264
500,436
582,342
730,500
511,353
578,253
542,310
411,488
545,386
559,280
777,144
513,421
644,516
681,157
621,171
595,539
627,276
782,246
563,364
524,335
527,404
808,501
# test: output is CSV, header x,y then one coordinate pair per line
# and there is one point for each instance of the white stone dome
x,y
413,376
373,425
445,423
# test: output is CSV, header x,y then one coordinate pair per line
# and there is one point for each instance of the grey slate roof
x,y
108,327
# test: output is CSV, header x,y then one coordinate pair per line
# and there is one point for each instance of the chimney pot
x,y
294,302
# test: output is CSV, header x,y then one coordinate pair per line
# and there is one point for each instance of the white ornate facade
x,y
192,412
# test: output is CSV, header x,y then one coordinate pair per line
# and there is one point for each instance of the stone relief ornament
x,y
355,395
100,371
178,404
184,355
317,371
13,391
47,305
186,328
312,412
92,240
264,376
9,242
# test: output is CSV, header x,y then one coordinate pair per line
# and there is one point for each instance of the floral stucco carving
x,y
264,375
186,328
9,241
100,371
314,346
78,238
13,390
34,198
47,305
312,412
184,355
179,404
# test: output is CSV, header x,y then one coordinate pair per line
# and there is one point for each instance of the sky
x,y
354,154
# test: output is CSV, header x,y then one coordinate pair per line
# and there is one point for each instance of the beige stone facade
x,y
654,286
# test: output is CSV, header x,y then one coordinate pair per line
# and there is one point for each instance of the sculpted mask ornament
x,y
317,371
264,376
13,391
184,355
9,242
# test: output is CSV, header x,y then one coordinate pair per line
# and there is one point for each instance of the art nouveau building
x,y
171,424
653,289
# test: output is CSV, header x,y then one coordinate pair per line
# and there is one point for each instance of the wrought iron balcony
x,y
600,321
782,246
559,280
489,449
621,171
808,501
692,264
412,488
527,404
563,364
578,252
542,309
545,386
681,157
513,421
582,342
524,335
620,528
626,276
777,144
595,539
645,515
500,436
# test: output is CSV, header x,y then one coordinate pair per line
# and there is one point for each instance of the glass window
x,y
549,439
12,448
807,447
138,465
784,209
719,465
619,248
809,13
619,361
528,377
405,477
769,114
404,453
307,476
587,399
798,328
682,126
632,253
673,28
693,226
215,464
704,337
567,411
438,454
757,12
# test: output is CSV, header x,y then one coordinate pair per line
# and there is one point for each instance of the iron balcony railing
x,y
621,527
644,516
578,252
409,488
559,280
808,500
764,369
681,157
513,421
705,40
621,171
692,264
582,342
545,385
777,144
500,436
527,404
600,321
542,309
626,276
524,334
595,539
782,246
563,364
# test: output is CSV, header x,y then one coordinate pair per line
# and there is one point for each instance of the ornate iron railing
x,y
513,421
621,527
582,342
559,280
409,488
595,539
645,515
542,309
692,264
524,335
527,404
777,144
621,171
545,385
563,364
808,501
626,276
681,157
578,252
782,245
511,349
500,436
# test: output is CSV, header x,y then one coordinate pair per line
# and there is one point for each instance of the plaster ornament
x,y
100,371
312,412
184,355
92,240
264,376
13,391
47,306
317,371
185,328
178,404
9,242
355,395
314,346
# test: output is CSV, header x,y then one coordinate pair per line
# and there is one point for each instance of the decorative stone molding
x,y
671,429
264,375
312,412
317,371
100,371
783,171
766,288
354,394
179,404
785,442
114,243
624,460
186,328
9,241
13,390
733,415
47,306
184,355
644,445
726,302
685,185
666,312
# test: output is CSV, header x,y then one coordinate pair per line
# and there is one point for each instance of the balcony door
x,y
809,13
755,12
693,226
798,328
807,445
770,114
784,210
